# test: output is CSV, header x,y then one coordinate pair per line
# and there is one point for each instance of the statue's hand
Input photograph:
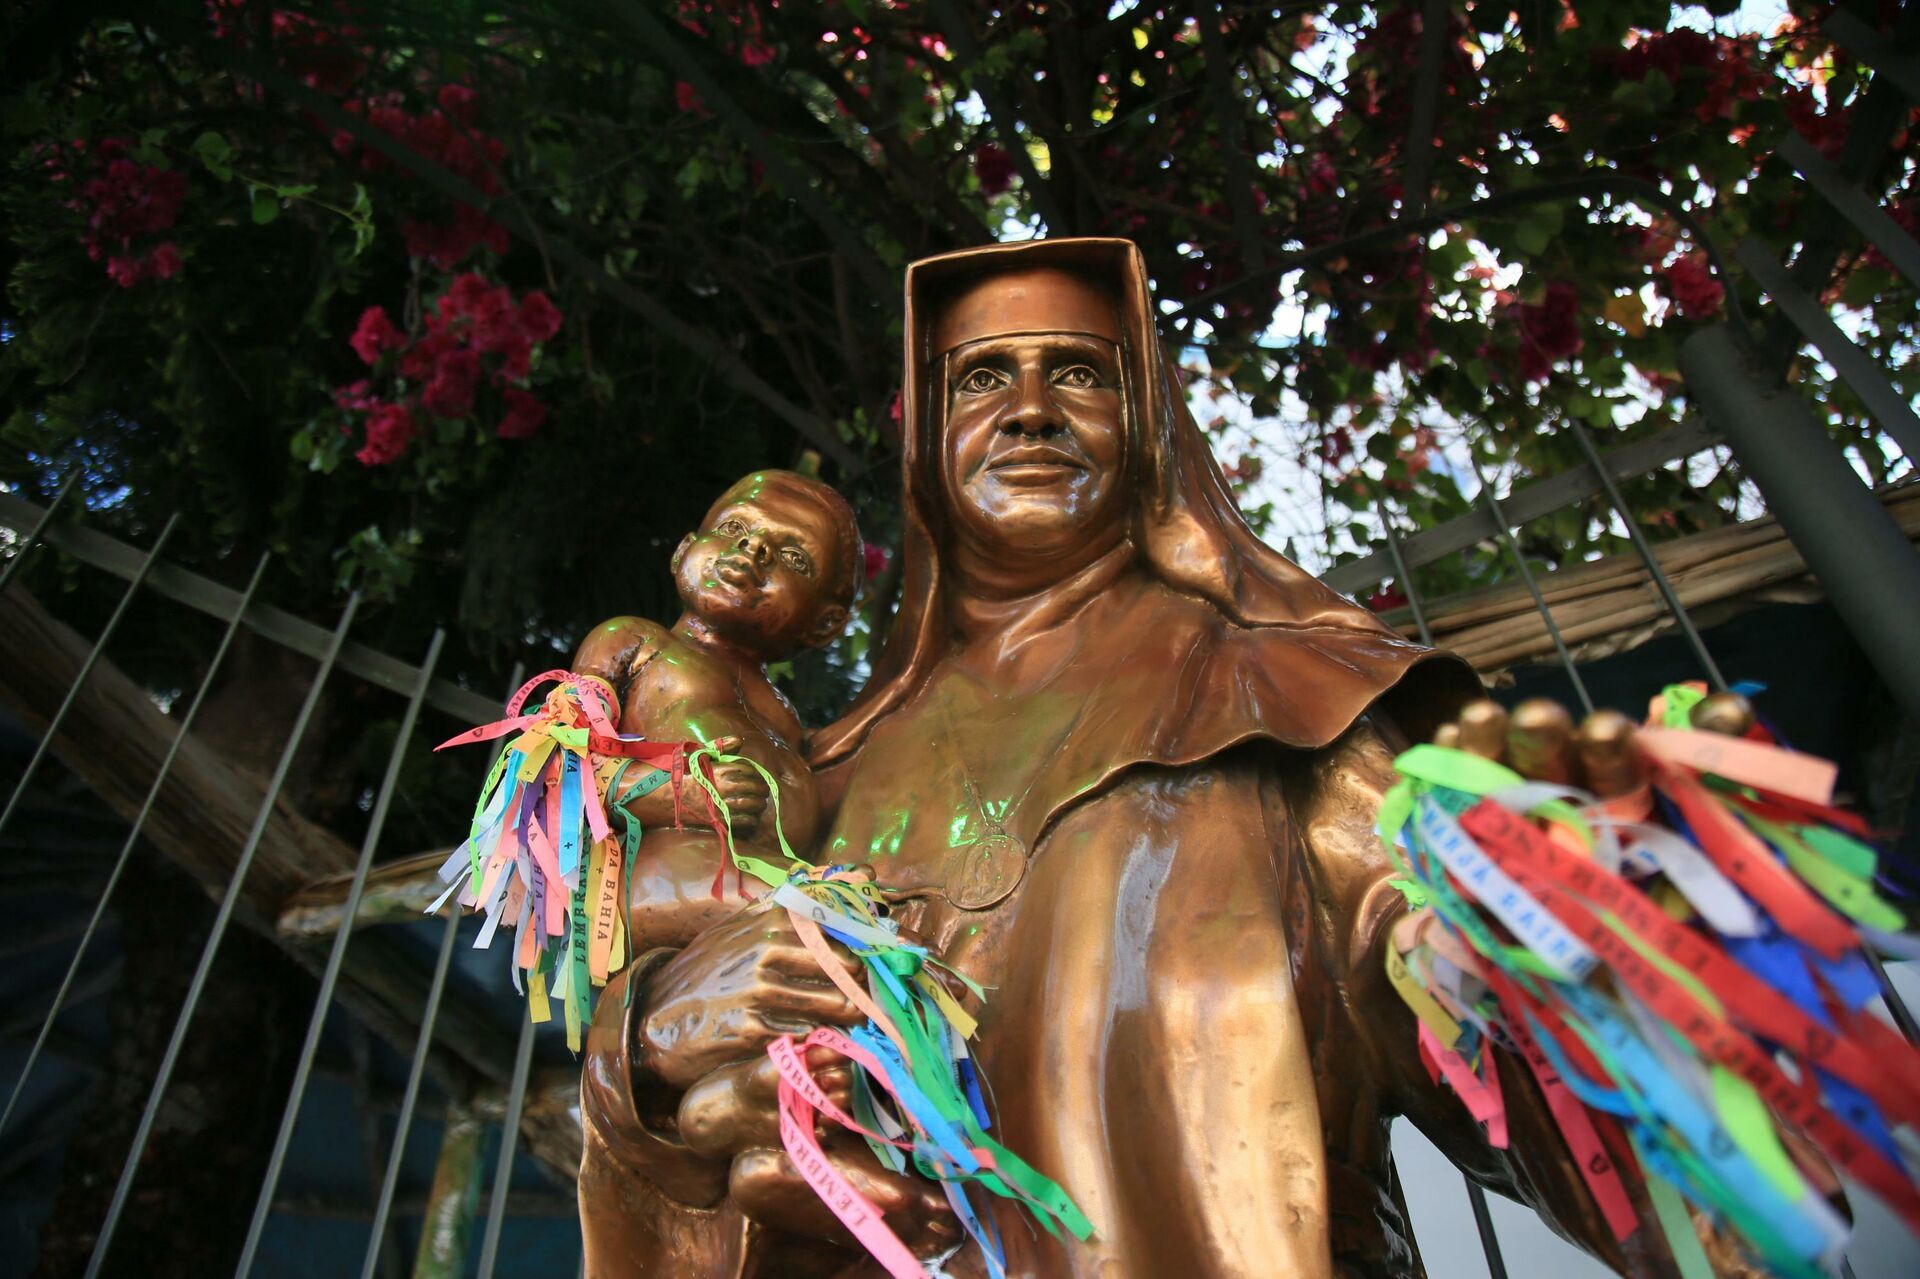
x,y
731,992
710,1013
1538,739
745,792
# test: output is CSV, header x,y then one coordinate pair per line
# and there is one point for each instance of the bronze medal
x,y
983,873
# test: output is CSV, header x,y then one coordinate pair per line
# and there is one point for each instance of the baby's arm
x,y
618,647
692,700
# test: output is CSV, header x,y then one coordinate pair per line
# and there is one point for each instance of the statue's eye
x,y
983,380
731,527
798,560
1078,376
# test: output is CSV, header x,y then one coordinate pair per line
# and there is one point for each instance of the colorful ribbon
x,y
1655,977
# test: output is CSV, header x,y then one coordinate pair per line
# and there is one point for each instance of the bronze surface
x,y
1189,1024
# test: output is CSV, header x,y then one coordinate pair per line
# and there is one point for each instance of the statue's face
x,y
760,568
1030,460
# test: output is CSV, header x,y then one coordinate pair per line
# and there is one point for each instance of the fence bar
x,y
1902,1015
220,920
417,1069
1533,587
1405,578
1528,502
1861,40
1482,1218
86,669
396,1153
1647,557
133,836
509,1145
203,595
1483,1222
32,538
1869,569
1868,218
1856,368
323,1001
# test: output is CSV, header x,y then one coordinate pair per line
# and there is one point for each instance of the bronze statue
x,y
771,570
1119,762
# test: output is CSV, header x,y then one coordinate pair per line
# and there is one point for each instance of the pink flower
x,y
993,168
687,100
165,261
524,416
450,393
389,432
1690,283
375,335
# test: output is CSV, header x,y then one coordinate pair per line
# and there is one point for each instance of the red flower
x,y
447,245
458,101
524,416
165,261
356,395
539,318
375,335
877,560
686,99
993,168
1691,285
424,356
450,393
389,432
1549,330
1387,597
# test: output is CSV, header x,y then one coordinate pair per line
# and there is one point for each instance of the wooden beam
x,y
397,893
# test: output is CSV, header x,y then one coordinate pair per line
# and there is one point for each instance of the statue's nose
x,y
754,545
1032,410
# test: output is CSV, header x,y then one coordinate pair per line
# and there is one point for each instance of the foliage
x,y
493,392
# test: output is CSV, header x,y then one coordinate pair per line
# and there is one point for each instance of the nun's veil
x,y
1185,524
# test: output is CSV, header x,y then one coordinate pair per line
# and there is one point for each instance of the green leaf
x,y
265,207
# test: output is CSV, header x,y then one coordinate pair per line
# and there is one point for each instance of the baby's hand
x,y
743,789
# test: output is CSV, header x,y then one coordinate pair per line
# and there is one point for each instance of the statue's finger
x,y
766,1187
1607,760
1728,714
1447,735
731,1109
1540,741
1483,728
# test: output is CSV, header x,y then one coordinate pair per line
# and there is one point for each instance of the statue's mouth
x,y
735,572
1035,464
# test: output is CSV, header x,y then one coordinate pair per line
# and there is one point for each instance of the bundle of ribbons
x,y
1683,969
542,853
542,856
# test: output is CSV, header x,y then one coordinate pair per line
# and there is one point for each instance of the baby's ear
x,y
680,552
827,627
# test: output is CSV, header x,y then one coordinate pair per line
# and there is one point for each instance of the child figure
x,y
771,571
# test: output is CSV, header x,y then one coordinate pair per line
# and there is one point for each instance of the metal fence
x,y
1866,564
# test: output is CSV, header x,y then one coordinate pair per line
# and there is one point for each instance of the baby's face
x,y
760,569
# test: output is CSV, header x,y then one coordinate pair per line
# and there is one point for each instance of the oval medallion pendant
x,y
982,873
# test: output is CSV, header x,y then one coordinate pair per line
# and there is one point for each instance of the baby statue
x,y
771,571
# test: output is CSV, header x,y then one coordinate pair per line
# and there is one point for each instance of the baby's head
x,y
774,566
